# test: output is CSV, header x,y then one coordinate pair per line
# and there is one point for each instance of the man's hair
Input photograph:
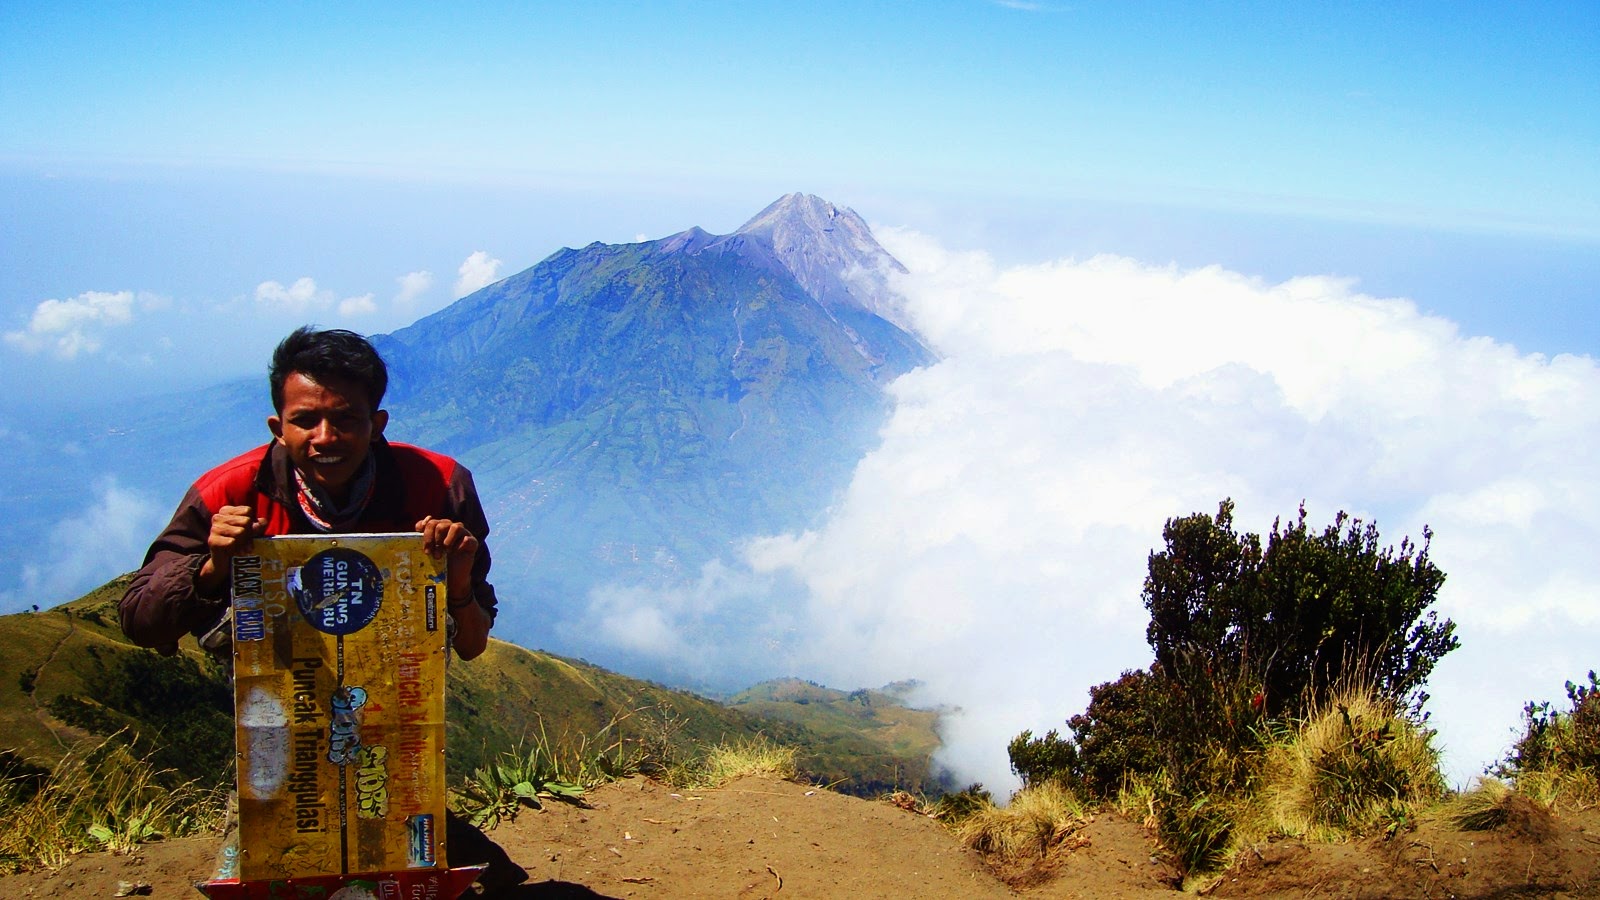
x,y
334,353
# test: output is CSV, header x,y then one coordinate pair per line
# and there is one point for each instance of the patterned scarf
x,y
319,508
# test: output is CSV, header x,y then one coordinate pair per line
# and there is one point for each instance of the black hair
x,y
322,354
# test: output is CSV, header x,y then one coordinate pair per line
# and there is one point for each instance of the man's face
x,y
328,427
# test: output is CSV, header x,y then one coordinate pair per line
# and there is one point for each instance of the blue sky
x,y
1394,210
188,153
1447,114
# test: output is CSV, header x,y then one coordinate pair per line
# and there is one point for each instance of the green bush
x,y
1303,614
1042,759
1248,637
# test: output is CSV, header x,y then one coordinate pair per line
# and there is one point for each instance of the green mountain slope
x,y
903,739
72,677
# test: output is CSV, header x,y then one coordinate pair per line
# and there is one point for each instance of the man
x,y
327,469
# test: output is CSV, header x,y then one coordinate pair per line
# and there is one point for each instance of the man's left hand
x,y
455,543
450,540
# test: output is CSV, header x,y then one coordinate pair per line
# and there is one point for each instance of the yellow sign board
x,y
339,667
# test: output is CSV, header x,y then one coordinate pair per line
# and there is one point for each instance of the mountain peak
x,y
801,210
830,250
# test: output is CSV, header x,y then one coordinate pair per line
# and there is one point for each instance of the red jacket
x,y
163,603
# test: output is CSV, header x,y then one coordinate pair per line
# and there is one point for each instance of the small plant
x,y
519,778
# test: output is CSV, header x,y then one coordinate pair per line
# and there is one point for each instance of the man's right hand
x,y
232,530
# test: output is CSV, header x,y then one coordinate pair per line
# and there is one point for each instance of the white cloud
x,y
994,545
87,549
299,297
352,307
76,325
412,286
477,271
303,297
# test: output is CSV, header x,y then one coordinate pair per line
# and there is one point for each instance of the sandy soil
x,y
763,838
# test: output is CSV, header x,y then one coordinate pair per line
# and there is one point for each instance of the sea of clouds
x,y
993,547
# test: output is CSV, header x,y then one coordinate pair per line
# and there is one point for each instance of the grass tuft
x,y
1038,818
1137,800
1355,765
723,763
1486,807
1574,788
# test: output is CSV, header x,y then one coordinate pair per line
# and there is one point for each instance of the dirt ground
x,y
763,838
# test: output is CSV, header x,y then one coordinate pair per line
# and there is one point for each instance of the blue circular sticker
x,y
337,590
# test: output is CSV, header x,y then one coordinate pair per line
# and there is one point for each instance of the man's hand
x,y
446,539
453,542
232,530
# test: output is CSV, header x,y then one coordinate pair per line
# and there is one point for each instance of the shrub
x,y
1299,612
1120,732
1249,636
1041,759
1558,755
956,806
172,710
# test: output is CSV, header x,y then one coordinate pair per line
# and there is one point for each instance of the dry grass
x,y
101,798
1573,788
1038,818
1137,800
1486,807
723,763
1354,766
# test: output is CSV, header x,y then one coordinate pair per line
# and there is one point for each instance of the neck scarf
x,y
320,509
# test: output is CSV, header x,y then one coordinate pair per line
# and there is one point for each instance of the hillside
x,y
872,721
72,675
